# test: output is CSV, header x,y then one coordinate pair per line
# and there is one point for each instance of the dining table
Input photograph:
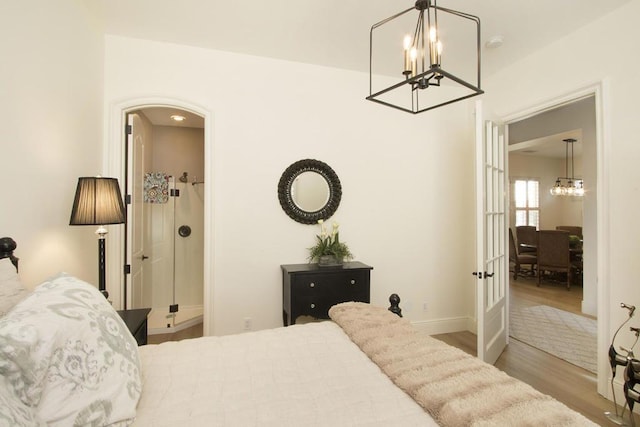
x,y
575,255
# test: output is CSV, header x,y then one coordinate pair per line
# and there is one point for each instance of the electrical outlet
x,y
425,306
247,323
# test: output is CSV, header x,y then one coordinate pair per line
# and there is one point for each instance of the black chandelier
x,y
422,67
568,185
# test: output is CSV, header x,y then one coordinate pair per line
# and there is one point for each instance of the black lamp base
x,y
101,266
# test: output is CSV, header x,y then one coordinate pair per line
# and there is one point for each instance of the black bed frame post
x,y
394,300
7,246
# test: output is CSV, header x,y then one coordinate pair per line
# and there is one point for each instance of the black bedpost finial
x,y
394,300
7,246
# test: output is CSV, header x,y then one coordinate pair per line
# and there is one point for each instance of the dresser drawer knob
x,y
313,306
311,285
353,282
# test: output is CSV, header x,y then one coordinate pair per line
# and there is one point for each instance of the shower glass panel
x,y
176,231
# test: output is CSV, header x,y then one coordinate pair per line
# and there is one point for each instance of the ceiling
x,y
551,146
335,33
161,116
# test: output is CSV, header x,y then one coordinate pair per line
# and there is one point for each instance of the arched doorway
x,y
116,165
165,218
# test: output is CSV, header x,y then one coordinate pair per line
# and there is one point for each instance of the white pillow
x,y
13,412
11,290
65,352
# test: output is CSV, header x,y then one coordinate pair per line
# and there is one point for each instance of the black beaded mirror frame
x,y
284,191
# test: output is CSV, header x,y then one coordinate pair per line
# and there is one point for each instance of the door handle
x,y
143,257
481,276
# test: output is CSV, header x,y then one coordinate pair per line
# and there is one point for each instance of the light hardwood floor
x,y
571,385
194,331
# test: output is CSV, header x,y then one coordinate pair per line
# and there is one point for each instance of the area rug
x,y
565,335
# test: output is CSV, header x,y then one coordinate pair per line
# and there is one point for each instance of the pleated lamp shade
x,y
98,202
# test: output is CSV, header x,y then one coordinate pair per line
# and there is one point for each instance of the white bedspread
x,y
302,375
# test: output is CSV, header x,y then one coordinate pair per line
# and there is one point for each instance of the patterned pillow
x,y
65,352
11,290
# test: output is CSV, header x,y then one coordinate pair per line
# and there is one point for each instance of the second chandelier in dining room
x,y
568,185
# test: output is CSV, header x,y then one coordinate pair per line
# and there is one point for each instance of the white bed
x,y
302,375
67,358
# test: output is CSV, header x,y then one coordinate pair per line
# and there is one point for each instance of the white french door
x,y
138,286
491,242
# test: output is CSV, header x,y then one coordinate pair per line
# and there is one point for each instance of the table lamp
x,y
98,202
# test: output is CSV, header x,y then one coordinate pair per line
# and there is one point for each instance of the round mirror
x,y
309,190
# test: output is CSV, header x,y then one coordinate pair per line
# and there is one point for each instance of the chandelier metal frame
x,y
426,71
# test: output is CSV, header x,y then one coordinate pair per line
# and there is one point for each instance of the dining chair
x,y
518,259
553,253
527,235
574,230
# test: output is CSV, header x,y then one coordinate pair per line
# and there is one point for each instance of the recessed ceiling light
x,y
494,42
178,118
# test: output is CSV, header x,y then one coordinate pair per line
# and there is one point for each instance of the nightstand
x,y
308,289
136,321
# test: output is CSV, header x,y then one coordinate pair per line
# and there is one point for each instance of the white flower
x,y
323,231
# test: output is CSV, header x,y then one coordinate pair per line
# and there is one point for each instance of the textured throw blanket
x,y
455,388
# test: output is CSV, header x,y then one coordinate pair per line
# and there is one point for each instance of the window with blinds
x,y
526,198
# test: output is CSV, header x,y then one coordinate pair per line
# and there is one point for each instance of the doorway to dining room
x,y
538,157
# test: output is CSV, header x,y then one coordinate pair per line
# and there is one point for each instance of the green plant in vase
x,y
329,250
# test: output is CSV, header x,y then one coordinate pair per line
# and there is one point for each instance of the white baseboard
x,y
444,326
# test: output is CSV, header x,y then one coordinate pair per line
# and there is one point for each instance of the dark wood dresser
x,y
136,321
311,290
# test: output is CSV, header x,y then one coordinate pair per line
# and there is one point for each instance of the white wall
x,y
553,210
407,206
51,108
575,64
177,150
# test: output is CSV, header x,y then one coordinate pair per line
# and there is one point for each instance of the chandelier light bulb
x,y
433,34
407,42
